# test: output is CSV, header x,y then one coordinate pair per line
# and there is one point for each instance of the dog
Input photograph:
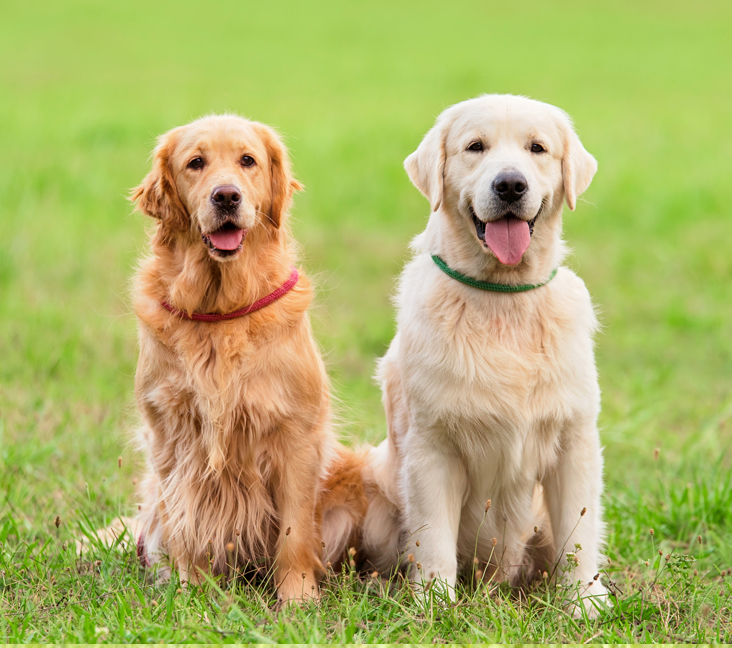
x,y
243,465
490,389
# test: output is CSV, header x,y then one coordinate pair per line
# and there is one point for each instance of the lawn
x,y
86,87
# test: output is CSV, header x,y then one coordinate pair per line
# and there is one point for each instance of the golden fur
x,y
236,414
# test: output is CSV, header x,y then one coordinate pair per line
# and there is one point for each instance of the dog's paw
x,y
122,531
435,589
296,589
590,600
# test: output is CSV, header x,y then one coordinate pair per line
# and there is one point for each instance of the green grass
x,y
86,86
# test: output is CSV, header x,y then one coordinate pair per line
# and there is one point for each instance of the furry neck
x,y
449,236
188,278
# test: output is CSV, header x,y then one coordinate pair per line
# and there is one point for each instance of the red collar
x,y
260,303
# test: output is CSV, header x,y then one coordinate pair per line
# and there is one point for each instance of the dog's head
x,y
216,179
501,162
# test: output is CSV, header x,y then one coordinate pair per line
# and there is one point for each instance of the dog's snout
x,y
226,197
510,186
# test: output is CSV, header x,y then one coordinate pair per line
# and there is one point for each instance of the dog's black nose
x,y
227,197
510,186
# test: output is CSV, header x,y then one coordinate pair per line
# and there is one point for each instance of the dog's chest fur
x,y
234,373
496,376
212,377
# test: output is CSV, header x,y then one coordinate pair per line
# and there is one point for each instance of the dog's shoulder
x,y
571,302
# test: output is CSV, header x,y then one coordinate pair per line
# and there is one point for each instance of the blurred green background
x,y
86,86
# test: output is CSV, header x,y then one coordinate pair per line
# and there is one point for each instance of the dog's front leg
x,y
573,490
435,482
297,562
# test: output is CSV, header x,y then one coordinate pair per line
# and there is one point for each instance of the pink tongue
x,y
227,239
508,238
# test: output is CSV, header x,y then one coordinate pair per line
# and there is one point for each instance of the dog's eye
x,y
475,146
537,148
247,161
196,163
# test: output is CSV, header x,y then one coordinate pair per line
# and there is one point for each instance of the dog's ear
x,y
426,166
157,195
578,166
283,184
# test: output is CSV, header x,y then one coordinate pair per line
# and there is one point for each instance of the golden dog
x,y
242,464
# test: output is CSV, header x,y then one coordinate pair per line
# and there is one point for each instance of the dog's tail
x,y
344,505
382,540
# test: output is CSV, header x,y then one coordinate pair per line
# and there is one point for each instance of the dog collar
x,y
218,317
485,285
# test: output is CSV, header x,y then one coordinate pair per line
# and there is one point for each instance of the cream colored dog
x,y
489,394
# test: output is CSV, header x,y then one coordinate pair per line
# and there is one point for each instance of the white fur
x,y
490,395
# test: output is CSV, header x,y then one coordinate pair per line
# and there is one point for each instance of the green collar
x,y
485,285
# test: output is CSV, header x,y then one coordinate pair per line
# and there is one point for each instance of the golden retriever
x,y
243,467
492,394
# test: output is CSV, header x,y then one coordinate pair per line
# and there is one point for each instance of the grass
x,y
86,86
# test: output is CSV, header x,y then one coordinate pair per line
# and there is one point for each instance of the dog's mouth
x,y
507,237
225,242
